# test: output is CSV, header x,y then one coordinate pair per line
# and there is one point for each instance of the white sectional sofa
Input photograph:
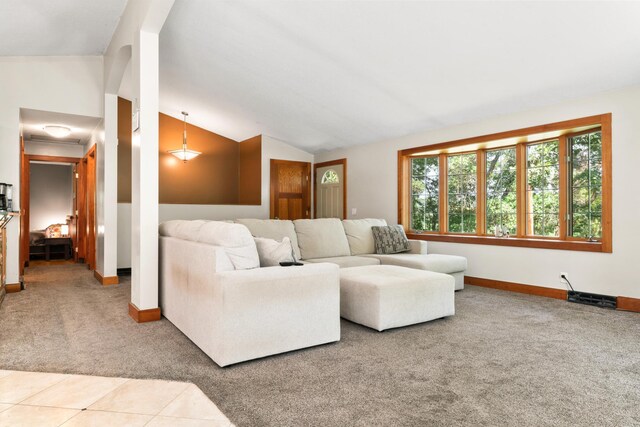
x,y
213,291
350,243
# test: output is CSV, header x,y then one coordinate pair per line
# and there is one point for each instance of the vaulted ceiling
x,y
57,27
328,74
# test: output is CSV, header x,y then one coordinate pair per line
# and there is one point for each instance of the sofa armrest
x,y
417,247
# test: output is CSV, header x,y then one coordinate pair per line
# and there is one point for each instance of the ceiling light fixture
x,y
57,131
185,154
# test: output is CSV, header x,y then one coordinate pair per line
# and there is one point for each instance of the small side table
x,y
57,245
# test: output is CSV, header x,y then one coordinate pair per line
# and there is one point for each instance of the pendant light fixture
x,y
183,153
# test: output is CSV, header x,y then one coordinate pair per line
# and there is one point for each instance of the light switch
x,y
354,211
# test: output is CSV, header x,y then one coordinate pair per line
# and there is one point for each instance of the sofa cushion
x,y
272,252
390,239
347,261
321,238
433,262
236,239
360,236
273,229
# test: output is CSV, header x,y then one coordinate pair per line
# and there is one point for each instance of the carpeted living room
x,y
323,213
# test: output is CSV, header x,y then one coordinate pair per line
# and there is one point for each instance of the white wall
x,y
49,149
372,189
61,84
51,194
271,149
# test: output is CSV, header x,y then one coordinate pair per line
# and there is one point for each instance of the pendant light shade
x,y
184,153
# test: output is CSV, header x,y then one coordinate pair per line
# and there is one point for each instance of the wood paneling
x,y
250,171
629,304
105,281
143,316
516,287
342,162
290,189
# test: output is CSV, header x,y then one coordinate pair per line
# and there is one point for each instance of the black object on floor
x,y
604,301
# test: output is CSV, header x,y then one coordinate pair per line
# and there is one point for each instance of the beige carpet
x,y
504,359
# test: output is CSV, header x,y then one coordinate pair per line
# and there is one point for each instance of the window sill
x,y
567,245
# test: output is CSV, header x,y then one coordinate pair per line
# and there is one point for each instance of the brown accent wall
x,y
227,172
209,179
124,151
250,171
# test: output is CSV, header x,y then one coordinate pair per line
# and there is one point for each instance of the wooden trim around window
x,y
481,192
443,194
563,186
521,242
342,162
520,138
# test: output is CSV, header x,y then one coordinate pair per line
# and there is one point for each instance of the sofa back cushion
x,y
321,238
236,239
275,229
360,236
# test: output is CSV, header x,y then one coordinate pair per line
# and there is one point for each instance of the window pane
x,y
501,190
425,188
461,187
543,182
585,185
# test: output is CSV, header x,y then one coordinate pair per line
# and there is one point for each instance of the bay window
x,y
547,186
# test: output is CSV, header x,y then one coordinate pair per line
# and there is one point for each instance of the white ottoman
x,y
387,296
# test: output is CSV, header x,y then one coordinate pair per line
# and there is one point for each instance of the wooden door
x,y
290,190
86,208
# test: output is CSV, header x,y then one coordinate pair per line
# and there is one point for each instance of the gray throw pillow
x,y
390,239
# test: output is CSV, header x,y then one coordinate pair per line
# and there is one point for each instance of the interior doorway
x,y
330,189
50,209
57,189
290,190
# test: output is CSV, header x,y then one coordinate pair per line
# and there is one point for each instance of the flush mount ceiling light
x,y
184,153
57,131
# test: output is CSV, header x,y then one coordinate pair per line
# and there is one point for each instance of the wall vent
x,y
604,301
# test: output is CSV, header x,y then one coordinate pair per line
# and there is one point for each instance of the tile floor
x,y
42,399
